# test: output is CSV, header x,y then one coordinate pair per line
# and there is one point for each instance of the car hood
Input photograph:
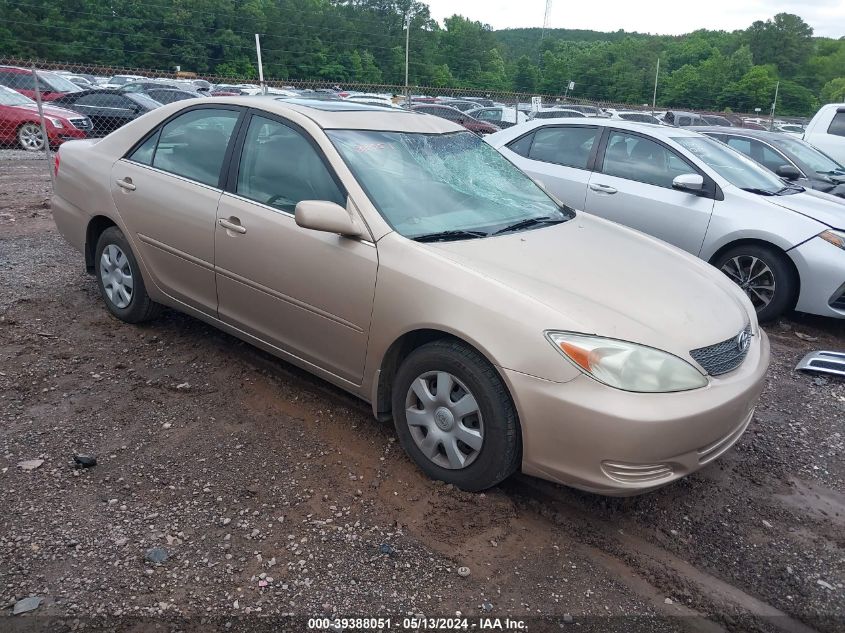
x,y
817,205
602,278
50,110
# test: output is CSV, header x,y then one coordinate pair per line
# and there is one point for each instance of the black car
x,y
715,119
107,109
788,156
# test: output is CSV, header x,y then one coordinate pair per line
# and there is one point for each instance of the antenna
x,y
546,19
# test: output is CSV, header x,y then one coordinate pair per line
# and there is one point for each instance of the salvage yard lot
x,y
238,465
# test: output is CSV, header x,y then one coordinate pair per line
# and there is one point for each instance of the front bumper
x,y
821,268
58,136
590,436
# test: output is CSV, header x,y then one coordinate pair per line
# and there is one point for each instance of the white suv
x,y
827,130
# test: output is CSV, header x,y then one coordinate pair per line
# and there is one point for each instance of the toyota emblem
x,y
743,340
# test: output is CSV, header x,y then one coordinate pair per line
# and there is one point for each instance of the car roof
x,y
737,131
635,126
345,115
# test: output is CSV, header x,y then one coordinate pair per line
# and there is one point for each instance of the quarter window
x,y
638,158
569,146
194,144
837,125
279,167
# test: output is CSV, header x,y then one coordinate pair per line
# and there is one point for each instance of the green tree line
x,y
363,41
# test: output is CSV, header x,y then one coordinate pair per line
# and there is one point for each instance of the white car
x,y
556,113
826,130
117,81
633,115
783,245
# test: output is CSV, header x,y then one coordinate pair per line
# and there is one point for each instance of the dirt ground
x,y
277,497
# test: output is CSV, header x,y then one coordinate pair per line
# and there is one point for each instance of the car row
x,y
405,260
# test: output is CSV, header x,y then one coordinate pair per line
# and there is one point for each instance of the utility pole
x,y
774,103
260,65
408,18
654,98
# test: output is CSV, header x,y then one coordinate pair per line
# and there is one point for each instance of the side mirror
x,y
788,172
692,183
329,217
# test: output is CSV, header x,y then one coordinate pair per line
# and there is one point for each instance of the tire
x,y
30,137
494,419
115,266
766,266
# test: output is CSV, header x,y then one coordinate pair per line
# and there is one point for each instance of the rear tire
x,y
764,274
469,434
119,279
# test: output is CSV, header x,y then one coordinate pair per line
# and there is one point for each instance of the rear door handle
x,y
126,183
232,224
602,188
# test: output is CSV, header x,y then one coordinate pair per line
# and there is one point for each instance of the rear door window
x,y
569,146
193,145
837,125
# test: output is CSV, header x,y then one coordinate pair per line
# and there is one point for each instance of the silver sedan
x,y
784,245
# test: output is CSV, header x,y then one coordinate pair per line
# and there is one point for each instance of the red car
x,y
51,85
19,122
461,118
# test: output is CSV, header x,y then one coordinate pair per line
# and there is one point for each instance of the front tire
x,y
30,137
454,416
119,279
764,274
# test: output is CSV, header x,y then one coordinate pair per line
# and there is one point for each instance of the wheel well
x,y
399,350
765,244
96,226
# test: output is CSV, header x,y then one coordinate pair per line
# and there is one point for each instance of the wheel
x,y
764,275
119,279
454,416
30,137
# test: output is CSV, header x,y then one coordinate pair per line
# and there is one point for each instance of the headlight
x,y
837,238
626,365
56,122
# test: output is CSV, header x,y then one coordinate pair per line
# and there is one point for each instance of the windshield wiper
x,y
758,191
444,236
788,188
529,222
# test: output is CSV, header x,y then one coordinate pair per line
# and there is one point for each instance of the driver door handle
x,y
602,188
126,183
232,224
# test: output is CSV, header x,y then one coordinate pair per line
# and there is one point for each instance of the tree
x,y
785,41
525,76
833,91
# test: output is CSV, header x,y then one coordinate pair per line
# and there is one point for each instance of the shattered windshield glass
x,y
428,184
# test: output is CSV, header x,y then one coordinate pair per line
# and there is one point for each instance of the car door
x,y
306,292
559,157
632,185
166,190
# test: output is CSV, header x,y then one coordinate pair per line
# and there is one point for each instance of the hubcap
x,y
116,275
444,420
31,137
754,277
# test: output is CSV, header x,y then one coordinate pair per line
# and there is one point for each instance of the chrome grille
x,y
725,356
82,123
636,473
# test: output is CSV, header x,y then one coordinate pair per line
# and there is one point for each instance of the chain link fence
x,y
43,104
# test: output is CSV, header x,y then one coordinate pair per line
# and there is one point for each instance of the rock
x,y
84,461
767,524
568,618
26,605
820,582
668,601
386,549
806,337
30,464
166,425
463,572
156,555
487,606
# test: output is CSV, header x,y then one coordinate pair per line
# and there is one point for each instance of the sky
x,y
663,17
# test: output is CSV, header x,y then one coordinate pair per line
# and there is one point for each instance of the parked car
x,y
50,85
108,109
586,110
787,156
556,113
784,245
483,102
116,81
826,130
635,115
715,119
501,117
683,119
456,116
145,85
789,128
169,95
463,106
20,123
404,260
